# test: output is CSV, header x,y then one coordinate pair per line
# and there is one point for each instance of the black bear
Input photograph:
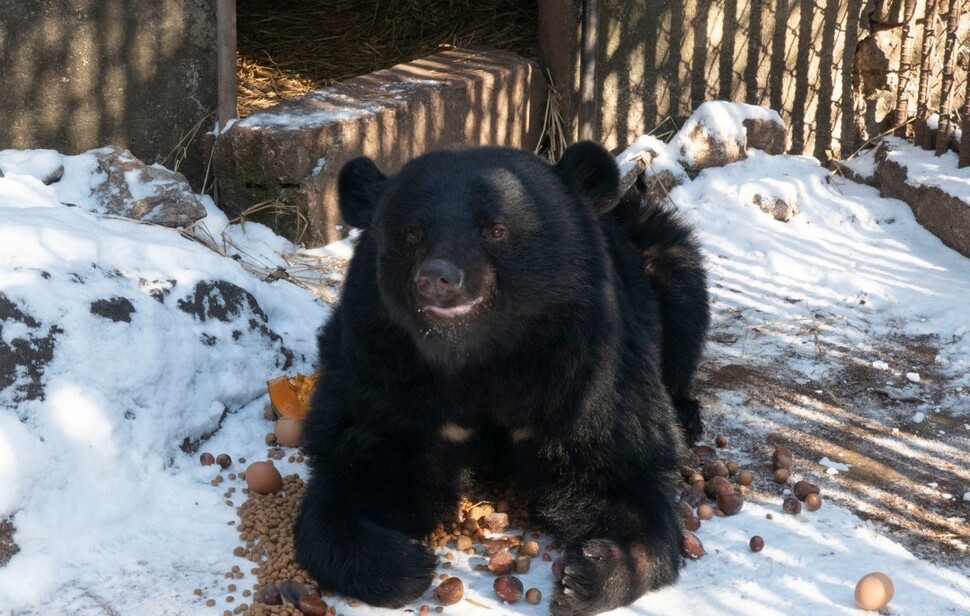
x,y
493,293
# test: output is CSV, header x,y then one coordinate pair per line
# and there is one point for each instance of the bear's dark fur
x,y
487,295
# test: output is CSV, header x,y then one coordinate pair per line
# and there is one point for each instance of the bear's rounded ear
x,y
591,172
359,188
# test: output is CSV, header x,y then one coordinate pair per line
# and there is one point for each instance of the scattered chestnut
x,y
450,591
782,458
207,459
745,477
792,505
803,488
730,502
508,588
692,547
782,475
757,543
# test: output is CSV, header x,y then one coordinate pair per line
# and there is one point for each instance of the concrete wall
x,y
79,74
659,60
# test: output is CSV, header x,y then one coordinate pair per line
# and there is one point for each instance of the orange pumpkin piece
x,y
290,395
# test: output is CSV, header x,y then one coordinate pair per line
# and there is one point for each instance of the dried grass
x,y
288,47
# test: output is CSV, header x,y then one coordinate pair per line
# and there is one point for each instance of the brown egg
x,y
263,478
288,431
874,591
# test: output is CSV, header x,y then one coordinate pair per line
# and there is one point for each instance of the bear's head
x,y
473,248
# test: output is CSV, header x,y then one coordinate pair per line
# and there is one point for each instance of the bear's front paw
x,y
592,575
391,572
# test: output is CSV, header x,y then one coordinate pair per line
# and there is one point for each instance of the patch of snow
x,y
863,163
834,466
880,365
657,153
913,377
918,417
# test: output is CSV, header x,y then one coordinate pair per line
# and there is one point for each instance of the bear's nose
x,y
439,280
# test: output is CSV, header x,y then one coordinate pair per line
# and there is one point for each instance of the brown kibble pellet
x,y
230,598
242,460
210,602
757,543
424,611
197,592
240,551
721,441
533,596
231,588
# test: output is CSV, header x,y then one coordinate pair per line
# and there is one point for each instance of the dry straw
x,y
288,47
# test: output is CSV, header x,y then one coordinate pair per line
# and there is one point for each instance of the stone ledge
x,y
293,152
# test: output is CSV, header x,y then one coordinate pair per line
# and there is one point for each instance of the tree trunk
x,y
905,69
923,136
965,126
949,65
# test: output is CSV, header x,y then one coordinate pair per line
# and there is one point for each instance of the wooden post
x,y
922,135
587,72
226,59
949,66
905,69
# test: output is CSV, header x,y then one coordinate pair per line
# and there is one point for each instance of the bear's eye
x,y
498,231
413,235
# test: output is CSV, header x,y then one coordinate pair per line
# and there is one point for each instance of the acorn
x,y
757,543
533,596
705,511
813,502
691,523
721,441
782,475
745,477
224,460
207,459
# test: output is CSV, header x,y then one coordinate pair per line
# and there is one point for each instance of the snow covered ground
x,y
145,341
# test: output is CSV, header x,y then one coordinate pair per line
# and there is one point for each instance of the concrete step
x,y
291,154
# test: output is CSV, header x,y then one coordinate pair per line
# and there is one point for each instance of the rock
x,y
709,151
150,193
780,208
292,154
943,214
116,309
720,132
766,135
55,175
223,301
25,355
